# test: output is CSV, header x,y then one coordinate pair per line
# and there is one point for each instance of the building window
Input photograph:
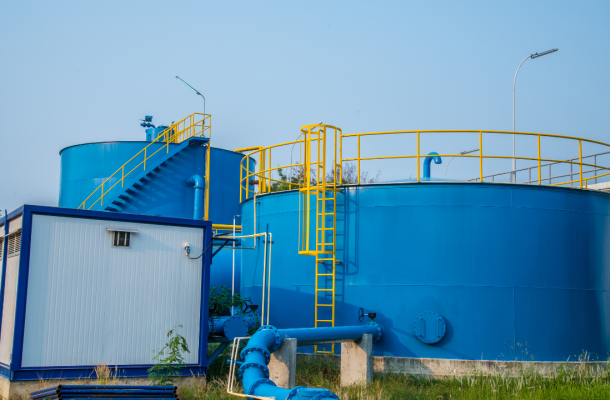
x,y
14,244
121,239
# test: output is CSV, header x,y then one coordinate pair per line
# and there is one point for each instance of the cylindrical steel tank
x,y
84,167
452,270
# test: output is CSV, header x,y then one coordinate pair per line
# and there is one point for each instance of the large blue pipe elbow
x,y
428,161
254,373
197,182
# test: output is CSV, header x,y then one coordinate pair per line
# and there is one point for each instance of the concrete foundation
x,y
357,362
283,364
444,368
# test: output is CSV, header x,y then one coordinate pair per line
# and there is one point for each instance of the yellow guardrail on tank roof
x,y
263,177
195,125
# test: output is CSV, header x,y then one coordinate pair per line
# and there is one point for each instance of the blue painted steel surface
x,y
84,167
254,373
502,263
16,371
153,133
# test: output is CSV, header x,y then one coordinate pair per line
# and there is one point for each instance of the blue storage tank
x,y
452,270
161,189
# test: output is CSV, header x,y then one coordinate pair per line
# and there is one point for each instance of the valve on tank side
x,y
428,160
361,315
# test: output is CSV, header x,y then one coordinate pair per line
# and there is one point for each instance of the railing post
x,y
122,175
102,198
595,168
247,176
580,159
481,154
539,171
145,157
418,156
358,158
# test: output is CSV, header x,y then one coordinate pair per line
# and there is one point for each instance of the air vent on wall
x,y
14,244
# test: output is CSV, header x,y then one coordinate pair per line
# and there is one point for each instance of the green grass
x,y
582,383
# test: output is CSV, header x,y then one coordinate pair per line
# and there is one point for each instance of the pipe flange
x,y
259,382
310,393
327,394
379,332
244,367
250,349
273,329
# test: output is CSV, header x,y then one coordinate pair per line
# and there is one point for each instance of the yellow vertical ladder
x,y
323,188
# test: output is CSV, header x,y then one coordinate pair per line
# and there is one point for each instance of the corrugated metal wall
x,y
8,310
14,224
90,303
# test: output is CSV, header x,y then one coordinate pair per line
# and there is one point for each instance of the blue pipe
x,y
254,373
197,182
428,160
232,326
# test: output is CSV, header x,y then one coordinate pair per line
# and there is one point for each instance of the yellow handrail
x,y
481,156
265,169
191,126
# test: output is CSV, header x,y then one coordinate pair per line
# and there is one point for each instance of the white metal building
x,y
81,288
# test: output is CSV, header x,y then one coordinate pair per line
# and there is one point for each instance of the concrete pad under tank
x,y
515,270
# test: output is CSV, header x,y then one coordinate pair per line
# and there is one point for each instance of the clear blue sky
x,y
76,72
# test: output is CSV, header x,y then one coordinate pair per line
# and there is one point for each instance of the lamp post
x,y
461,154
194,90
532,56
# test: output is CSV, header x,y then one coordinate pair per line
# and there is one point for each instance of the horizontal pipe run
x,y
337,334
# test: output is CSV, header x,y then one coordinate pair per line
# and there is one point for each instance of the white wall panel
x,y
8,310
14,224
90,303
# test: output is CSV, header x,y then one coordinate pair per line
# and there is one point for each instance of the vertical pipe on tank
x,y
428,160
197,182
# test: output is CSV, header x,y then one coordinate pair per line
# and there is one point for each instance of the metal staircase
x,y
150,162
320,188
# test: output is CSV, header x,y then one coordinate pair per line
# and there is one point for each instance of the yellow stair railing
x,y
195,125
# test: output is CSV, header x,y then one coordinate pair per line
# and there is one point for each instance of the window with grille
x,y
14,244
121,239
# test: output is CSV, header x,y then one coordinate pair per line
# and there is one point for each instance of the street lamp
x,y
532,56
194,90
461,153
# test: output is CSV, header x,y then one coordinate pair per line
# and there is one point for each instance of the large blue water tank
x,y
84,167
496,271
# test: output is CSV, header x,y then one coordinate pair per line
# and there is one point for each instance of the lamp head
x,y
544,53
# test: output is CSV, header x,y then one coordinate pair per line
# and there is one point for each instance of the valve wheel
x,y
246,306
361,314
